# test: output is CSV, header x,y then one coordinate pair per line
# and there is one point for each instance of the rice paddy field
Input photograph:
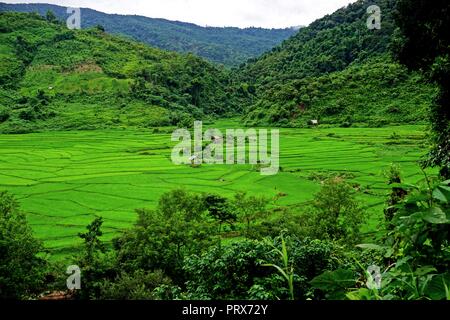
x,y
63,179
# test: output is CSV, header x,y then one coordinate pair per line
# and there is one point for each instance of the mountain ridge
x,y
230,46
53,78
335,71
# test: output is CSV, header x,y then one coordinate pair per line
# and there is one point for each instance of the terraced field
x,y
63,179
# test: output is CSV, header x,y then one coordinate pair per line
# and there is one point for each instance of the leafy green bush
x,y
232,272
27,114
161,239
416,252
138,285
249,208
22,271
4,115
220,209
335,213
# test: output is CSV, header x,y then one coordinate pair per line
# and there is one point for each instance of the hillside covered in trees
x,y
55,78
228,46
336,70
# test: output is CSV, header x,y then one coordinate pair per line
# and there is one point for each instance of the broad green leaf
x,y
389,253
279,269
435,216
403,262
360,294
334,280
442,193
418,198
425,270
438,286
371,246
418,216
405,186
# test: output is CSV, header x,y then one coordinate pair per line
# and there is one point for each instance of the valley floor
x,y
63,179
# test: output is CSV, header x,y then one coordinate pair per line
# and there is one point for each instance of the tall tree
x,y
51,17
424,44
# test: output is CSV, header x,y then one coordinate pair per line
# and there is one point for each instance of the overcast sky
x,y
237,13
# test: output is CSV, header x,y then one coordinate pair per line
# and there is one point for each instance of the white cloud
x,y
238,13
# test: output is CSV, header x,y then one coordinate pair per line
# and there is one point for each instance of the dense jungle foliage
x,y
55,78
337,71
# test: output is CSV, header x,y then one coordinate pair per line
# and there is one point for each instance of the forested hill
x,y
338,71
55,78
228,46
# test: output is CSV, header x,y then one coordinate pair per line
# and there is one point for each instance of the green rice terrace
x,y
63,179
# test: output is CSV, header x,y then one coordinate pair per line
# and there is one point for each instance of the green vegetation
x,y
53,78
374,93
414,255
227,46
21,270
111,173
337,71
354,212
335,213
423,44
